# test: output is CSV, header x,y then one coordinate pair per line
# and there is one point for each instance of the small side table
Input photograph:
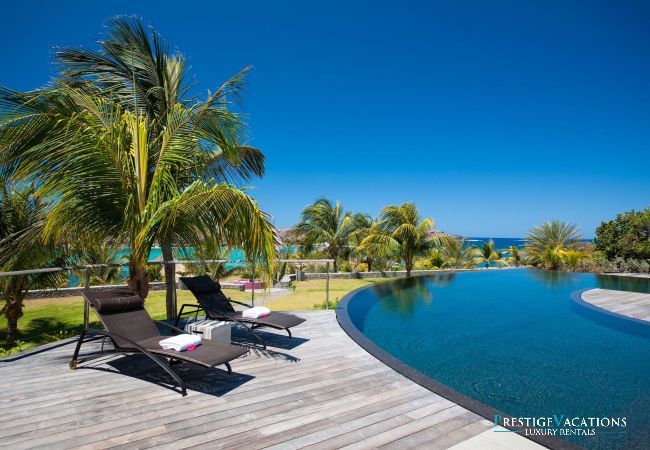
x,y
215,330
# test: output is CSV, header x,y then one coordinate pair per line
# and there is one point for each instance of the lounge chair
x,y
132,330
216,306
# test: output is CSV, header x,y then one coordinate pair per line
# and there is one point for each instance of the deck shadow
x,y
277,340
214,381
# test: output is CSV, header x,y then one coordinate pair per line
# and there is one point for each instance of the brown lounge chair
x,y
132,330
216,306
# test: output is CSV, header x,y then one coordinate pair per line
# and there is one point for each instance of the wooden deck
x,y
628,304
319,390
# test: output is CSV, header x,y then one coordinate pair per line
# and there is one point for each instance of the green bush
x,y
345,267
422,264
626,237
331,305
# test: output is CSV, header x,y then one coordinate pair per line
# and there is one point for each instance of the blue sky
x,y
491,116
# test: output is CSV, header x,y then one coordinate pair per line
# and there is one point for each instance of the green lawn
x,y
47,320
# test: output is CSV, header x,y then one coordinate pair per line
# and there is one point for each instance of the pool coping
x,y
429,383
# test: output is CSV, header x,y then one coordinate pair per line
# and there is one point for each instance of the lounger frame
x,y
162,361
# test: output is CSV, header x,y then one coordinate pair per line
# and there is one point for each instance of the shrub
x,y
627,236
422,264
63,333
324,305
363,267
345,267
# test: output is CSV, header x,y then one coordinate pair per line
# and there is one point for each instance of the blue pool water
x,y
515,341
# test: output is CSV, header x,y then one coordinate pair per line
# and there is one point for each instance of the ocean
x,y
499,243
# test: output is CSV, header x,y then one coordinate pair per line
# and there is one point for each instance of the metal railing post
x,y
253,286
86,305
327,287
174,297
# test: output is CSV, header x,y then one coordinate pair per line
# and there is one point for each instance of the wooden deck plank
x,y
319,390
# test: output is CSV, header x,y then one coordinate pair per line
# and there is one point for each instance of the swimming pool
x,y
514,340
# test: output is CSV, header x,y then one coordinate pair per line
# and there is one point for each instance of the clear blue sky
x,y
491,116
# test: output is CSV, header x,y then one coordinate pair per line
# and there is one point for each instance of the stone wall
x,y
78,290
74,291
387,274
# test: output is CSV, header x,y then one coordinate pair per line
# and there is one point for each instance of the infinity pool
x,y
515,341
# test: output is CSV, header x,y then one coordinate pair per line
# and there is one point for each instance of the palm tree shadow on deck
x,y
47,329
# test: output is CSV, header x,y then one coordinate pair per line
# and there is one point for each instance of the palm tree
x,y
216,270
326,223
456,253
487,253
21,219
125,156
400,232
139,70
93,252
361,228
544,244
514,256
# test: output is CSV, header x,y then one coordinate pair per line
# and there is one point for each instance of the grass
x,y
52,319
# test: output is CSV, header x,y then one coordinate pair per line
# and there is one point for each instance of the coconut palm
x,y
325,223
126,157
21,219
456,253
400,232
96,253
215,270
140,73
545,244
361,228
514,256
487,253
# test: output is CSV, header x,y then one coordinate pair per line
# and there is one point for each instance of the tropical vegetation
x,y
121,152
22,214
546,243
400,232
327,224
487,254
627,236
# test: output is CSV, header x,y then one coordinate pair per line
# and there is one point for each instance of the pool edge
x,y
473,405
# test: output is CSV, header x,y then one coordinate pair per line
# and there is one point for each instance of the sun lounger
x,y
132,330
216,306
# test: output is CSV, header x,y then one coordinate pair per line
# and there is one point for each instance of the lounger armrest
x,y
182,312
196,307
171,327
240,303
115,335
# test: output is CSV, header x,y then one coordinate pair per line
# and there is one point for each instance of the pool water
x,y
515,340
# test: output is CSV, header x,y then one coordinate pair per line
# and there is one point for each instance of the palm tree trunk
x,y
409,267
369,263
334,253
13,312
170,279
138,279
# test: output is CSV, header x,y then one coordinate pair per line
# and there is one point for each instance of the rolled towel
x,y
181,342
256,313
